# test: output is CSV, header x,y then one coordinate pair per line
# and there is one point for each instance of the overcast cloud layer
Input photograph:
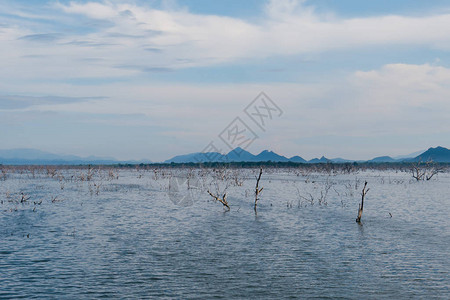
x,y
133,79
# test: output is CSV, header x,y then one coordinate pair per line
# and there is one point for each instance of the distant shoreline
x,y
328,165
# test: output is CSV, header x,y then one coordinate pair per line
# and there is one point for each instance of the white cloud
x,y
121,39
91,9
288,27
395,99
388,103
404,91
98,40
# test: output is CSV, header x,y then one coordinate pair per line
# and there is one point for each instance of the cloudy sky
x,y
153,79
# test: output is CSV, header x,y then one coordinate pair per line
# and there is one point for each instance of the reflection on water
x,y
127,237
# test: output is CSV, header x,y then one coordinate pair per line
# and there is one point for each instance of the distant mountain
x,y
411,155
297,159
33,154
25,156
438,154
267,155
197,157
382,159
239,154
37,157
235,155
323,159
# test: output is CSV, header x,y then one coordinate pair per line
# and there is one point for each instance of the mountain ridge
x,y
438,154
26,156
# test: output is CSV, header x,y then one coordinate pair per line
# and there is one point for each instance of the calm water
x,y
135,239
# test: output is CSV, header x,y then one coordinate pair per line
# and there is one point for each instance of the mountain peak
x,y
438,148
438,154
239,154
238,150
267,155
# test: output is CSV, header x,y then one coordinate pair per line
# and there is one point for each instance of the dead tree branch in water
x,y
222,200
361,206
417,172
257,189
425,171
433,169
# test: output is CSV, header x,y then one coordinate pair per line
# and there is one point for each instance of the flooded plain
x,y
148,233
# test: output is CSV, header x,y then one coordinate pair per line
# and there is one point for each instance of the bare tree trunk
x,y
361,206
257,189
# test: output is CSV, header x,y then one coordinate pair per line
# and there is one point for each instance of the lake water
x,y
144,235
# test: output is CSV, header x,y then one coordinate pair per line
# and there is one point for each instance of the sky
x,y
154,79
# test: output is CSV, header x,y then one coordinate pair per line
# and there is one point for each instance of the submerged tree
x,y
221,176
222,200
425,171
361,206
257,189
